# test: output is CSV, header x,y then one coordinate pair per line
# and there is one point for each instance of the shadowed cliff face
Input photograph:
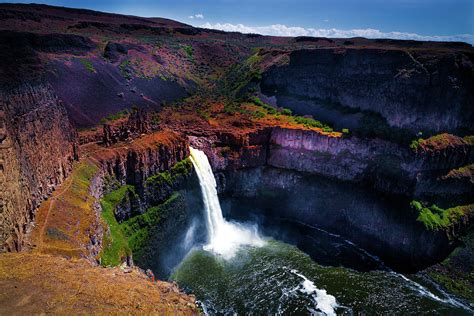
x,y
37,148
417,90
379,224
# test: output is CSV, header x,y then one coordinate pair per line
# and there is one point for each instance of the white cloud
x,y
196,16
283,30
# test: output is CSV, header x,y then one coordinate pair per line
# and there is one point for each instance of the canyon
x,y
370,140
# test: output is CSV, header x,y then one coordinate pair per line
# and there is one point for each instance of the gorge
x,y
183,170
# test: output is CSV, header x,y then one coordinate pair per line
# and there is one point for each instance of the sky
x,y
406,19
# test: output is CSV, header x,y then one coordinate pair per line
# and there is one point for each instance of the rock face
x,y
340,182
381,165
138,123
134,163
418,90
37,149
381,225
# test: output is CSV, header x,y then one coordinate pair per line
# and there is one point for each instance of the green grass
x,y
87,64
132,234
115,116
455,273
181,168
137,229
116,246
189,51
286,112
415,144
436,218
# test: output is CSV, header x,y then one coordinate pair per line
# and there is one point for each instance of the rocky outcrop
x,y
133,163
418,90
37,149
137,124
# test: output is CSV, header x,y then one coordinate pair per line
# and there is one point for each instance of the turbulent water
x,y
224,238
279,279
239,272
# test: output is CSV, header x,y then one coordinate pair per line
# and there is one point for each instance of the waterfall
x,y
224,238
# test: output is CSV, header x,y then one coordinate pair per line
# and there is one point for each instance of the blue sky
x,y
419,19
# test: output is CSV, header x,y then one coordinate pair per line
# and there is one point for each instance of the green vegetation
x,y
306,121
455,273
116,244
469,139
310,122
115,116
189,51
270,109
436,218
180,169
286,112
240,75
415,144
87,64
231,107
138,228
126,70
345,131
130,235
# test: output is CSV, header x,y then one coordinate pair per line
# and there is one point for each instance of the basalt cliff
x,y
368,139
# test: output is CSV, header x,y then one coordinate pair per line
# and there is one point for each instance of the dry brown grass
x,y
37,283
64,221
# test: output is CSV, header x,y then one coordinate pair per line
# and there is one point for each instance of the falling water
x,y
224,238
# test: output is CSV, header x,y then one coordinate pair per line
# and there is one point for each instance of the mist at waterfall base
x,y
237,271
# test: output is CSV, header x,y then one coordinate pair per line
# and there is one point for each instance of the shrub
x,y
88,64
286,112
189,51
345,131
231,108
415,144
115,116
258,114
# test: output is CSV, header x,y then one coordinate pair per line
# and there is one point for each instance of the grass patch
x,y
63,222
436,218
115,244
131,235
115,116
188,51
179,169
137,229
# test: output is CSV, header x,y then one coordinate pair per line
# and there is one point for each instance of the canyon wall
x,y
133,163
415,89
37,149
383,166
382,225
337,183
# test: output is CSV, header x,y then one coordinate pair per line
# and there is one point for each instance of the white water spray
x,y
224,238
325,302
